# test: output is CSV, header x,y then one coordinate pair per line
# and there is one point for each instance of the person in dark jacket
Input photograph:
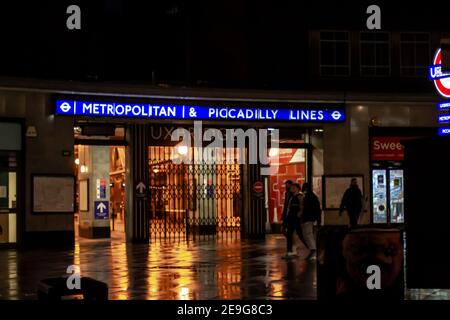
x,y
287,197
311,214
291,221
352,202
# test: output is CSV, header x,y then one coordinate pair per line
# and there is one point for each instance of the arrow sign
x,y
101,207
140,189
101,210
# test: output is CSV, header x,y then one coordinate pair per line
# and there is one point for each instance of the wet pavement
x,y
202,269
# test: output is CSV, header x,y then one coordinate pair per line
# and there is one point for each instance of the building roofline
x,y
142,90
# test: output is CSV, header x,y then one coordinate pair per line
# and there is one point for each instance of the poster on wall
x,y
53,193
334,188
84,195
317,187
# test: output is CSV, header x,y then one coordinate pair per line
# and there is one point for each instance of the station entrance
x,y
100,172
197,198
147,186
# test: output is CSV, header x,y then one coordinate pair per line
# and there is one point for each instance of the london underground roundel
x,y
441,81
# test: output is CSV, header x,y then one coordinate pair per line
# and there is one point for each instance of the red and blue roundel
x,y
441,80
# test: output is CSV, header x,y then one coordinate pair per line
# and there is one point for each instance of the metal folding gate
x,y
193,199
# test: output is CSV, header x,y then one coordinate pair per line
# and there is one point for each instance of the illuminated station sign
x,y
442,83
198,112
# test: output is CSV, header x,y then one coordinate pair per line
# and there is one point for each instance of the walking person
x,y
352,202
310,215
287,197
291,220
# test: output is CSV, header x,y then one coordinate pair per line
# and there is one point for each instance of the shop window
x,y
290,165
414,54
375,55
11,136
334,53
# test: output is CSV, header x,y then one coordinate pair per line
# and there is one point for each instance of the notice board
x,y
53,193
334,188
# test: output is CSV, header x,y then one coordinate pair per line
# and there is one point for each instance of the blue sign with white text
x,y
444,131
444,118
101,210
192,112
435,72
443,105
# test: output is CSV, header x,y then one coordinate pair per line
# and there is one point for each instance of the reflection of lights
x,y
123,185
77,161
155,170
183,150
184,293
273,152
83,169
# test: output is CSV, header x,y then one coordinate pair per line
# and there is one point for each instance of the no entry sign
x,y
258,190
258,187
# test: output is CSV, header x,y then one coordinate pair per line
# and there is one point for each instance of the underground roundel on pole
x,y
441,80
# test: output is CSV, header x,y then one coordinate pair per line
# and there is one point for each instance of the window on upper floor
x,y
375,54
334,53
414,54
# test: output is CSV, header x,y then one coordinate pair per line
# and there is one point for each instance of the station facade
x,y
121,162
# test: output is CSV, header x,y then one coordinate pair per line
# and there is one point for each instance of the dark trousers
x,y
294,225
353,217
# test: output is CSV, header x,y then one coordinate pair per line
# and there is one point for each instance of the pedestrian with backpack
x,y
311,214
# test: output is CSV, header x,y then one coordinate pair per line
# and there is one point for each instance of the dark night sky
x,y
185,42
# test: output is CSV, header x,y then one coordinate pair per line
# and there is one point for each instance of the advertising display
x,y
346,260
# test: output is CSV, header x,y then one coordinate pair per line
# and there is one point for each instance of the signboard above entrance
x,y
200,112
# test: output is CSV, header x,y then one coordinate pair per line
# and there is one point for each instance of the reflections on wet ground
x,y
202,269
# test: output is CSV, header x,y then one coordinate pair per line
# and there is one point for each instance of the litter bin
x,y
56,288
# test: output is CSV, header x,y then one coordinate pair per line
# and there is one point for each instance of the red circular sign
x,y
258,187
442,85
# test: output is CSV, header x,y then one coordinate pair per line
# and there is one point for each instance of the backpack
x,y
314,207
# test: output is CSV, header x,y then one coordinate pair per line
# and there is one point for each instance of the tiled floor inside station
x,y
201,269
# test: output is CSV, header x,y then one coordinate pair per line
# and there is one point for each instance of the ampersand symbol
x,y
192,113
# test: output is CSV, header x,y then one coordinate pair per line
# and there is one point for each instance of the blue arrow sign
x,y
101,210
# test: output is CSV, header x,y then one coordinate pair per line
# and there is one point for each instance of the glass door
x,y
387,196
396,201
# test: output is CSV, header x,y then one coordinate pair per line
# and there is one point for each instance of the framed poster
x,y
334,187
84,195
53,193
